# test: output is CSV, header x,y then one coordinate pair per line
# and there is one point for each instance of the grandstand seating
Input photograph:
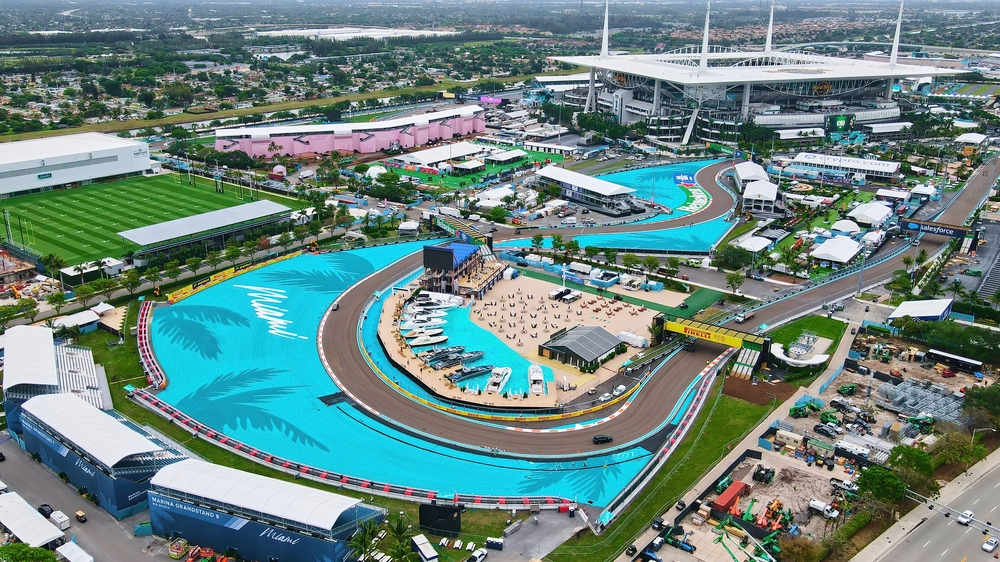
x,y
78,374
745,363
150,366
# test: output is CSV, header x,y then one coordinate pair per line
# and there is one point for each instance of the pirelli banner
x,y
927,227
708,333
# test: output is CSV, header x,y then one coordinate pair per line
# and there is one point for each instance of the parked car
x,y
966,517
991,544
478,555
619,390
824,429
605,397
602,438
45,510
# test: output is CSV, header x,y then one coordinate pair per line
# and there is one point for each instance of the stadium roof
x,y
601,187
100,435
840,249
439,154
29,357
922,309
187,226
54,147
307,506
586,342
846,162
348,128
750,67
25,522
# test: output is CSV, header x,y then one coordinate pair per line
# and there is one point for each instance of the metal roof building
x,y
347,128
580,345
604,196
226,508
179,232
99,451
26,523
929,311
434,156
29,358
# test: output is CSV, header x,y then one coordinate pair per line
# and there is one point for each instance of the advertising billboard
x,y
709,334
913,226
839,123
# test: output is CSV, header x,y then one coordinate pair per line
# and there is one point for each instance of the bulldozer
x,y
829,416
848,390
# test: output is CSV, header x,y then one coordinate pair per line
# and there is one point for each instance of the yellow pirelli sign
x,y
704,334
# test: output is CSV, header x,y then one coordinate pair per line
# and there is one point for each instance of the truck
x,y
306,174
741,318
60,520
449,212
823,508
845,485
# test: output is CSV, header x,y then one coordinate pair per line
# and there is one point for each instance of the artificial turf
x,y
82,224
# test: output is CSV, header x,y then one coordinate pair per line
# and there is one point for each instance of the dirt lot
x,y
758,394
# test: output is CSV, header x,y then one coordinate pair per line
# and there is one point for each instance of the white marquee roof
x,y
761,189
187,226
971,138
100,435
437,154
750,171
307,506
29,357
870,213
846,162
840,249
25,522
755,243
846,226
923,189
682,68
348,128
555,173
893,193
921,309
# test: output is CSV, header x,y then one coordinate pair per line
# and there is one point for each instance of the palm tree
x,y
995,299
362,542
957,289
972,297
922,257
907,263
80,268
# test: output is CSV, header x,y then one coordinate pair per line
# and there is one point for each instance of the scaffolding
x,y
914,397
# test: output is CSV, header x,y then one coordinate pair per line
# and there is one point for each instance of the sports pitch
x,y
82,224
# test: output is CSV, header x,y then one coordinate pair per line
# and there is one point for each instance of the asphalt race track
x,y
650,406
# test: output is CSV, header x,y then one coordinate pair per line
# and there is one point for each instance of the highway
x,y
648,409
941,538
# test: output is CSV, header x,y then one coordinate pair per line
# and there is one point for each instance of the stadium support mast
x,y
895,40
704,41
604,38
770,30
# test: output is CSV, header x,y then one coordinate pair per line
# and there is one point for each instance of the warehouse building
x,y
101,452
257,517
40,164
602,196
933,310
34,365
579,346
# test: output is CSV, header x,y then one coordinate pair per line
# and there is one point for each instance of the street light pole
x,y
973,443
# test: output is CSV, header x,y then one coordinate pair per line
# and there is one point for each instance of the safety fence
x,y
147,359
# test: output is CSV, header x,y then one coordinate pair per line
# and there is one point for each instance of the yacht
x,y
536,378
498,379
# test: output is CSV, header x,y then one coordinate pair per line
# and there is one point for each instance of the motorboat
x,y
423,332
418,313
456,358
468,372
437,353
428,323
536,379
498,379
427,340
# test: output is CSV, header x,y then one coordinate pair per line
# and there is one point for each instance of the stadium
x,y
708,94
392,134
42,164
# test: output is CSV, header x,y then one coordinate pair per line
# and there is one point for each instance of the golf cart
x,y
81,517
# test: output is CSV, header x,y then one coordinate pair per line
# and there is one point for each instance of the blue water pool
x,y
695,238
661,184
241,357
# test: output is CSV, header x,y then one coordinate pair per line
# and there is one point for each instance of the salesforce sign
x,y
915,226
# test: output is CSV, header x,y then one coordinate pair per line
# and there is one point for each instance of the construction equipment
x,y
774,509
803,410
748,514
727,529
848,390
724,483
924,423
669,537
769,544
829,416
763,474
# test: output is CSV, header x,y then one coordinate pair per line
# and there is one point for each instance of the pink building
x,y
406,132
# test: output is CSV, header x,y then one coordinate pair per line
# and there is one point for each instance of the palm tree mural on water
x,y
588,482
344,270
190,326
244,400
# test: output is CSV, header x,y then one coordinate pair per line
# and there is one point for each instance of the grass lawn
x,y
716,429
458,182
737,232
82,224
122,366
821,325
371,116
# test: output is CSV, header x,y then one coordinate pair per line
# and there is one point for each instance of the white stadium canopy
x,y
307,506
839,249
29,357
100,435
188,226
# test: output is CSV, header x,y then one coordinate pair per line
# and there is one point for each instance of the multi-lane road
x,y
648,409
940,538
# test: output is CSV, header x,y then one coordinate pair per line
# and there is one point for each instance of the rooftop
x,y
95,432
441,153
25,522
29,357
761,189
601,187
307,506
187,226
587,342
922,309
54,147
840,249
846,162
349,128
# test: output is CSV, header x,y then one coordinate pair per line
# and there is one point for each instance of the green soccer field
x,y
82,224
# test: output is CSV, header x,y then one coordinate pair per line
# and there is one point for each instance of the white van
x,y
570,221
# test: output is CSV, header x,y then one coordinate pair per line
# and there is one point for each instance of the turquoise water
x,y
241,357
660,182
693,238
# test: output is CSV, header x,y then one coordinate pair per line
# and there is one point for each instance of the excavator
x,y
924,423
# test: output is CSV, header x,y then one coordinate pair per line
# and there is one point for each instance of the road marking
x,y
925,544
945,552
994,509
977,501
967,530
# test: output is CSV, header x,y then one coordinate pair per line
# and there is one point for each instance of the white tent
x,y
755,244
873,214
873,238
847,226
761,189
839,249
73,553
923,189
